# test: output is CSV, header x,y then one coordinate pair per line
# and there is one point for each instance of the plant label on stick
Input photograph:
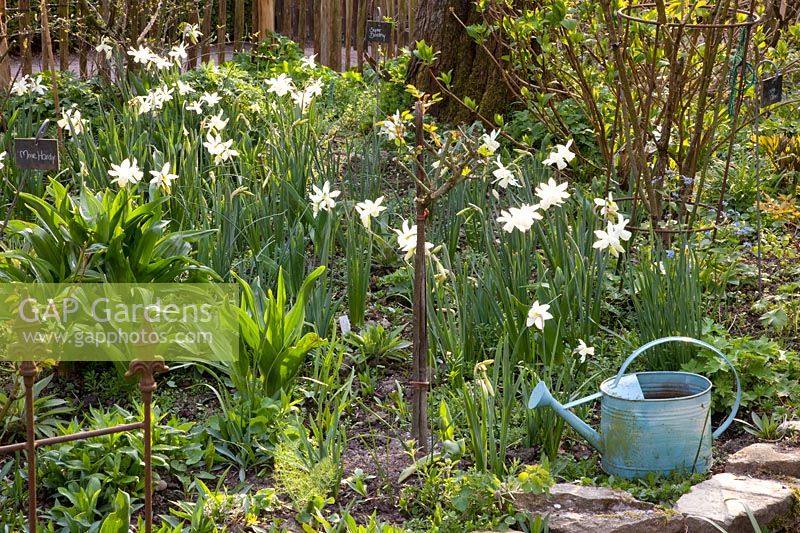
x,y
378,32
772,90
36,154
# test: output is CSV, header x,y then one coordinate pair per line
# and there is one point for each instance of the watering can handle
x,y
690,340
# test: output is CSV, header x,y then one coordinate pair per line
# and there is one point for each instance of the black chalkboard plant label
x,y
378,32
36,154
772,90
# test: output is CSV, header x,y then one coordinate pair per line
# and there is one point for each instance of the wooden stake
x,y
361,22
83,58
25,36
286,18
420,381
322,20
63,34
206,47
316,18
303,30
222,26
348,28
253,20
5,64
336,35
238,24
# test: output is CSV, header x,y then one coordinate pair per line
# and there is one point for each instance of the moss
x,y
791,521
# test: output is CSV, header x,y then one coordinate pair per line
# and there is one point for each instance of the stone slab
x,y
765,460
721,499
581,509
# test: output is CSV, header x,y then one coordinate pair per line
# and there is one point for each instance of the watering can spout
x,y
541,397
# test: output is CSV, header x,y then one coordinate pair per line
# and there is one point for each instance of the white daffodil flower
x,y
197,107
407,240
323,199
159,62
503,175
72,121
280,85
368,210
608,207
20,87
163,178
160,96
519,218
192,32
538,314
105,48
216,123
221,150
613,236
561,156
142,55
393,127
211,99
490,144
36,85
551,194
583,350
309,62
178,53
184,88
126,173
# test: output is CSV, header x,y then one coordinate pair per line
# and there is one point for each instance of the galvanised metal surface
x,y
667,431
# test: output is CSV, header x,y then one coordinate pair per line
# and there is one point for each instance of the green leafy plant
x,y
247,430
454,500
357,481
765,427
218,507
50,411
301,479
91,473
377,344
99,237
273,342
668,298
489,406
768,373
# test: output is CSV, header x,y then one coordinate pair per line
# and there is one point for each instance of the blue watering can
x,y
649,421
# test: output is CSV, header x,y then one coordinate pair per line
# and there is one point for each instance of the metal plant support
x,y
769,92
146,371
696,66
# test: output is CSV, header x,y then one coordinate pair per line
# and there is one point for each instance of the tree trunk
x,y
475,73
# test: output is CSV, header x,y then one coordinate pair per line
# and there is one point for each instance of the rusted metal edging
x,y
147,386
10,448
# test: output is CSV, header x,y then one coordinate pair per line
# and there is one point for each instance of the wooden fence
x,y
335,29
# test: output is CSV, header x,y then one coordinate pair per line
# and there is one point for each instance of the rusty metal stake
x,y
147,386
28,371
